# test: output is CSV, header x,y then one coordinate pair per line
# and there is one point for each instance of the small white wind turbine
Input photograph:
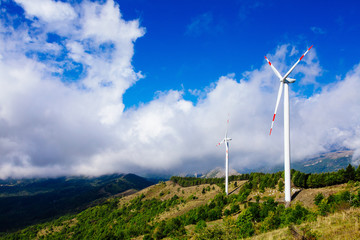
x,y
226,140
284,81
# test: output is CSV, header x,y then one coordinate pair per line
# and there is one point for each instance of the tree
x,y
214,214
310,181
272,221
324,207
200,225
227,212
234,208
318,198
349,173
281,185
244,224
160,230
357,174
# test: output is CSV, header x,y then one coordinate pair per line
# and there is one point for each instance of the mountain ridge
x,y
219,172
35,200
319,163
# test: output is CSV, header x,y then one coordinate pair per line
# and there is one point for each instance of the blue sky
x,y
200,41
96,87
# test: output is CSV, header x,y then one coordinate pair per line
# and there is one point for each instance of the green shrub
x,y
244,224
318,198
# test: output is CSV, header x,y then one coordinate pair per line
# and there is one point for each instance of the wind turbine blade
x,y
220,142
227,127
292,68
274,69
277,104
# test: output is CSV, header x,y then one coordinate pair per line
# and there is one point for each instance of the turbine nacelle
x,y
289,80
224,140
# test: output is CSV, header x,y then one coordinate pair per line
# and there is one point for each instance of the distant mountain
x,y
219,173
28,201
325,162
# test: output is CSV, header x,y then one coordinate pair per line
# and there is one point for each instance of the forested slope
x,y
29,201
189,208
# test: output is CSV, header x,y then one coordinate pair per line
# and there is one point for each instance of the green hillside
x,y
29,201
193,208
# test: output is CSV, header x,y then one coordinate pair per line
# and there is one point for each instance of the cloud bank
x,y
63,73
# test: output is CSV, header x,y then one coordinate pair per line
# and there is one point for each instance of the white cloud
x,y
317,30
330,118
247,7
54,127
54,124
200,23
203,24
104,23
48,10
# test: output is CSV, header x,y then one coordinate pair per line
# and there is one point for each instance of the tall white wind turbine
x,y
226,140
284,84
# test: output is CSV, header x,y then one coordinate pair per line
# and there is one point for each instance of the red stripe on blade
x,y
267,60
270,131
274,117
310,47
301,57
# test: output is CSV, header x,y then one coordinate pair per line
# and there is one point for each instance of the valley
x,y
30,201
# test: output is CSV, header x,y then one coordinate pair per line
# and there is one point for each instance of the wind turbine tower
x,y
226,140
284,84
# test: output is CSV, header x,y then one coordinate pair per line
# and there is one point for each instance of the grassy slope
x,y
342,225
169,189
306,196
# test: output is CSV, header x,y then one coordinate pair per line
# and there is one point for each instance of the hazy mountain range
x,y
326,162
28,201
